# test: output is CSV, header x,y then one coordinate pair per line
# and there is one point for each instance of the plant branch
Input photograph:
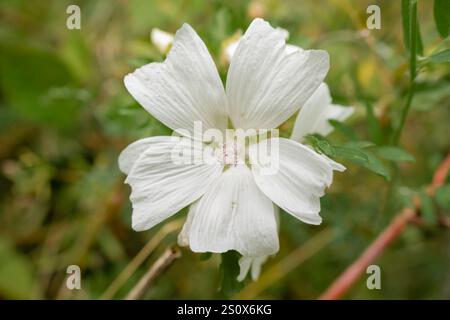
x,y
408,215
276,272
163,262
140,258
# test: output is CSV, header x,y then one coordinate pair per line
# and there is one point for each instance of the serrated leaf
x,y
359,144
352,154
320,144
376,166
229,268
393,154
325,147
442,16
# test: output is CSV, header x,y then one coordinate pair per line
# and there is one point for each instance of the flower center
x,y
230,153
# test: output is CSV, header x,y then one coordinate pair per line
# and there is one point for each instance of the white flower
x,y
161,39
232,204
312,118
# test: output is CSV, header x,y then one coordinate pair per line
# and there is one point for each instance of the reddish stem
x,y
341,285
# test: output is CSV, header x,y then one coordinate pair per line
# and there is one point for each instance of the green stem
x,y
412,68
404,113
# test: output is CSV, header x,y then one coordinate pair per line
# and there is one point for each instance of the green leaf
x,y
352,152
229,268
394,154
440,57
359,144
326,147
442,16
320,144
365,159
376,166
427,208
406,18
355,155
442,196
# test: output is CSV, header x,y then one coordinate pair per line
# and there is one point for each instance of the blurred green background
x,y
65,116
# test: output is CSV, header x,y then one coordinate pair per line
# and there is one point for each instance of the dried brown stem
x,y
140,258
344,282
276,272
157,269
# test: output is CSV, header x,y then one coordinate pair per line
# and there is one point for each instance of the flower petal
x,y
235,215
162,184
130,155
291,48
314,116
255,262
252,264
230,49
183,237
257,266
265,85
185,88
244,267
299,181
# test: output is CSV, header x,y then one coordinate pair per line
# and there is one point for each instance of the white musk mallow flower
x,y
232,198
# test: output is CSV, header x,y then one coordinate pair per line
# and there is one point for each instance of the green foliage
x,y
393,153
355,152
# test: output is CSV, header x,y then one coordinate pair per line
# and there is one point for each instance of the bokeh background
x,y
65,116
